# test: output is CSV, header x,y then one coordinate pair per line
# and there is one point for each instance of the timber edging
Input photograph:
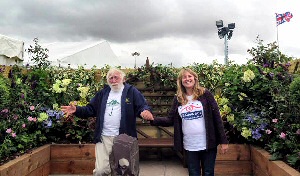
x,y
80,159
36,163
262,166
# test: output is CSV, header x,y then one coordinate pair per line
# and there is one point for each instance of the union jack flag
x,y
281,18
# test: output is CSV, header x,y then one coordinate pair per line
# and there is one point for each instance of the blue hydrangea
x,y
256,134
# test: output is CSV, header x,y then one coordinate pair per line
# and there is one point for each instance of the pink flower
x,y
282,135
268,131
23,125
31,108
15,117
275,120
8,130
5,111
13,135
30,118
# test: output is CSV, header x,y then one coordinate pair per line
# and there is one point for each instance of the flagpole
x,y
277,39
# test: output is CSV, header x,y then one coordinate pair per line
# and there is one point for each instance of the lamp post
x,y
135,54
226,33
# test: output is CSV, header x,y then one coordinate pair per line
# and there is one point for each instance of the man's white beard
x,y
116,88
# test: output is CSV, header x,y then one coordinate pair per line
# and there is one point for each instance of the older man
x,y
115,107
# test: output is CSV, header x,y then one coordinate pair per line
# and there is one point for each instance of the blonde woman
x,y
198,127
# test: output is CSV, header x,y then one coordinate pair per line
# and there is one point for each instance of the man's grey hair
x,y
113,70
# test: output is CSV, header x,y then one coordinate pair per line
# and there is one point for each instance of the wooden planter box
x,y
262,166
72,159
236,162
80,159
37,163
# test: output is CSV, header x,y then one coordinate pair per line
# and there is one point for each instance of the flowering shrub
x,y
209,75
154,75
22,131
295,89
263,108
4,92
33,117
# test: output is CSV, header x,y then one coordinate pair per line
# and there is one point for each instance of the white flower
x,y
248,76
83,91
66,82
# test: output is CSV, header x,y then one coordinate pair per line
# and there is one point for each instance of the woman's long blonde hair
x,y
181,91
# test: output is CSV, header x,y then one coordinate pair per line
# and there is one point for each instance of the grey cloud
x,y
135,21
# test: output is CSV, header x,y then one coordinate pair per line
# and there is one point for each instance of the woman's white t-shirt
x,y
193,125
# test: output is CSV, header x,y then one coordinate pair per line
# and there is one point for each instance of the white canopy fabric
x,y
76,54
11,50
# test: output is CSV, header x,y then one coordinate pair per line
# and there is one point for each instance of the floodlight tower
x,y
226,33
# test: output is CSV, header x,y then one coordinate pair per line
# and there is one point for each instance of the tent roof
x,y
11,48
86,54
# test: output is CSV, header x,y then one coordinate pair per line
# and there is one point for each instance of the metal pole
x,y
278,44
226,50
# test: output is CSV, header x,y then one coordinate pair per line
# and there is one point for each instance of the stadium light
x,y
226,33
219,23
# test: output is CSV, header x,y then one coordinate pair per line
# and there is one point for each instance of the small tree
x,y
38,55
267,56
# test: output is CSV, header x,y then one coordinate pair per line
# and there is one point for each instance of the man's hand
x,y
147,115
68,110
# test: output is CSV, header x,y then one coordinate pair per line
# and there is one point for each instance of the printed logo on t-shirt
x,y
191,112
112,104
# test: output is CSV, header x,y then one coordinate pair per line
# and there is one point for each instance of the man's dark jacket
x,y
132,104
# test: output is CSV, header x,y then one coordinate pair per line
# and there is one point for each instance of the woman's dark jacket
x,y
215,133
132,104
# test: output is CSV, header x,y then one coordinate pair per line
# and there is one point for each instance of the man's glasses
x,y
114,78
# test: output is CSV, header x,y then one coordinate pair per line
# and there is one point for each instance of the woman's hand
x,y
224,148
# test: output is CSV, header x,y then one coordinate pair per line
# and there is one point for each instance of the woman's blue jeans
x,y
207,159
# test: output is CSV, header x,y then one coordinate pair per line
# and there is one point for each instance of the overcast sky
x,y
180,32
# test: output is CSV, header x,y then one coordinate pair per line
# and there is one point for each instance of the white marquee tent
x,y
11,51
85,54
